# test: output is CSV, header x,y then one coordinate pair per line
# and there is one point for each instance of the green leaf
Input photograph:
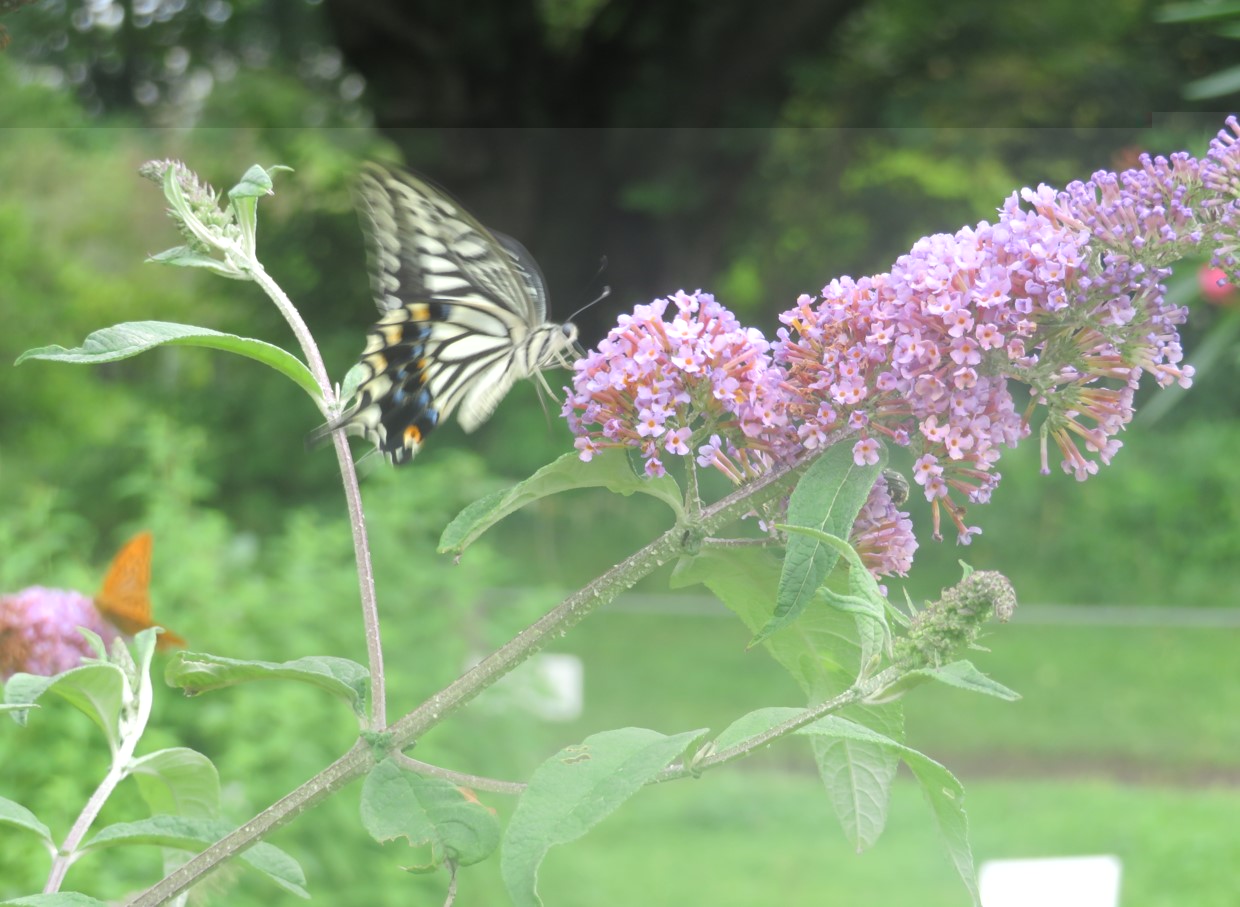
x,y
58,899
609,469
353,379
98,690
1215,85
186,257
18,816
178,781
576,789
961,674
255,183
137,666
133,337
821,651
198,672
945,793
186,833
244,197
857,772
427,812
1196,11
827,498
858,775
865,599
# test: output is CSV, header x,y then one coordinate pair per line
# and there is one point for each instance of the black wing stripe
x,y
463,316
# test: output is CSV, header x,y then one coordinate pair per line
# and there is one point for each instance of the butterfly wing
x,y
462,316
124,600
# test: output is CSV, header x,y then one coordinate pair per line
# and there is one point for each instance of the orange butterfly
x,y
123,600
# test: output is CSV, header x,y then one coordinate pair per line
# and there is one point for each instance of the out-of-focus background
x,y
752,150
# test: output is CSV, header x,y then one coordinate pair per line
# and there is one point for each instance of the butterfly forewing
x,y
462,316
124,599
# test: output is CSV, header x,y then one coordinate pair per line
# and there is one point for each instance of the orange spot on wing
x,y
123,600
413,435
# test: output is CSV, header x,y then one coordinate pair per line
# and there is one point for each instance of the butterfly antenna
x,y
602,266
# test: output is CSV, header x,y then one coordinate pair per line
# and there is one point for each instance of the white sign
x,y
1051,882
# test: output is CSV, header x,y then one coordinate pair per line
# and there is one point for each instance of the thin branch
x,y
854,694
451,898
478,782
593,596
314,360
365,579
352,493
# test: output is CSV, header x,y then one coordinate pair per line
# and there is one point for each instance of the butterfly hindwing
x,y
462,316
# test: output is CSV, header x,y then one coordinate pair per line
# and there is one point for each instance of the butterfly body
x,y
462,317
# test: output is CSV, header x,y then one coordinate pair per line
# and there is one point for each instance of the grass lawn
x,y
1126,743
741,839
1150,702
1119,746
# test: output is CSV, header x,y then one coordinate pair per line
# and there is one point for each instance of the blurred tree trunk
x,y
628,136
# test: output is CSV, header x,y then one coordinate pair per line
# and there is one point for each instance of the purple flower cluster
x,y
883,534
1063,294
698,382
39,631
701,384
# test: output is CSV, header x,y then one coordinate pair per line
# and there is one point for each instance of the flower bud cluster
x,y
940,630
196,206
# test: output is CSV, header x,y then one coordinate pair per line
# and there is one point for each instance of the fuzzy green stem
x,y
352,492
68,851
854,694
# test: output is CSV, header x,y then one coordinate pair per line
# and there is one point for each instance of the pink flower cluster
x,y
1063,294
38,631
883,534
665,386
1054,297
701,384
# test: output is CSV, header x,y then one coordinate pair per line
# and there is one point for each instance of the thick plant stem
x,y
362,757
357,761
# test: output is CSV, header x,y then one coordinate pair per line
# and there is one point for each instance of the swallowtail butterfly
x,y
463,317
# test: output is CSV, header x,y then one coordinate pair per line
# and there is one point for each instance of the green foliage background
x,y
252,552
